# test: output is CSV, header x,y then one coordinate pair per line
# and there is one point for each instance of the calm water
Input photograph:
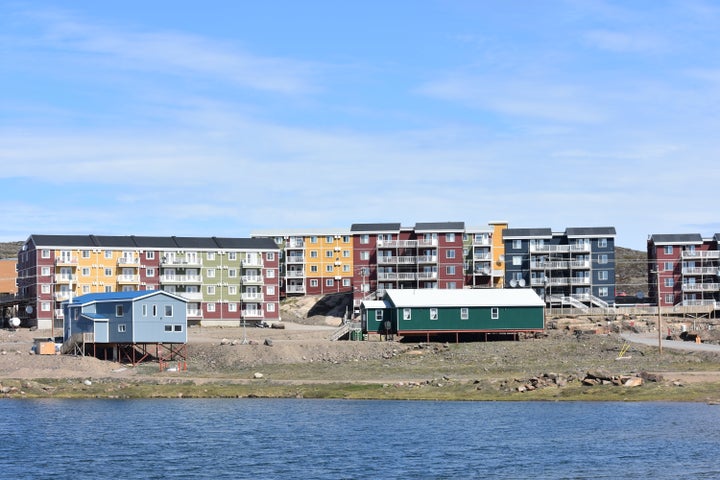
x,y
319,439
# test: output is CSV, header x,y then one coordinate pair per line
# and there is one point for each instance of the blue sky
x,y
221,118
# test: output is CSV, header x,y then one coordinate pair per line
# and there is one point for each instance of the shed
x,y
441,311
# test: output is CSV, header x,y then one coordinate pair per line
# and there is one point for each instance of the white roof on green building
x,y
476,297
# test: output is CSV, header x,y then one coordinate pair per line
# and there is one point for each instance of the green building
x,y
428,312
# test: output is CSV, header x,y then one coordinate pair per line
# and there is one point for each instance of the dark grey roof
x,y
716,237
440,227
155,242
676,238
61,240
195,242
590,232
113,241
247,243
518,233
375,227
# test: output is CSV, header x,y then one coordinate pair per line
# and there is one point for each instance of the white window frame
x,y
407,313
494,313
433,313
464,313
122,328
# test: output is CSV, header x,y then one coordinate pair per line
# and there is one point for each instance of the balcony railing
x,y
700,287
397,243
181,262
66,260
559,248
481,241
699,303
251,297
295,288
396,276
252,313
128,279
128,261
256,279
701,254
427,275
252,262
427,259
701,271
191,295
65,278
194,312
295,274
181,279
295,259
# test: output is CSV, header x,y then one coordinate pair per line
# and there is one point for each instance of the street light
x,y
659,316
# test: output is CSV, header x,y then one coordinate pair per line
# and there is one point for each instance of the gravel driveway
x,y
652,340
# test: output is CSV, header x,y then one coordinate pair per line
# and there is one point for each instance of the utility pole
x,y
659,315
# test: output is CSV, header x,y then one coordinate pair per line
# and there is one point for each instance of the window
x,y
168,310
669,282
668,266
45,253
85,289
108,272
85,254
450,237
108,288
211,255
516,260
669,299
232,256
379,315
451,285
494,313
270,307
45,271
450,253
45,288
602,242
407,314
603,291
122,328
517,244
313,282
210,307
433,314
144,310
328,239
602,259
668,249
313,239
364,239
346,282
603,275
45,306
271,289
329,282
313,268
329,268
346,268
149,272
118,310
364,255
270,256
168,328
150,255
154,311
232,273
450,269
232,307
313,254
328,253
464,313
346,238
210,273
108,254
211,289
85,271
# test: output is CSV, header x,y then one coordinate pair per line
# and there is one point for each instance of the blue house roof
x,y
104,296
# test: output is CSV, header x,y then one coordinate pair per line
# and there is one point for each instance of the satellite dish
x,y
14,322
640,295
513,283
29,309
521,282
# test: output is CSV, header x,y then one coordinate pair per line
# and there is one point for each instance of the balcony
x,y
252,279
700,287
192,296
396,276
701,254
295,289
194,312
125,279
560,248
251,297
294,244
181,262
252,262
482,257
128,262
295,274
555,265
252,313
181,279
700,271
62,296
295,259
427,276
397,243
427,259
482,241
65,278
66,261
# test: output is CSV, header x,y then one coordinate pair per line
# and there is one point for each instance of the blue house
x,y
127,318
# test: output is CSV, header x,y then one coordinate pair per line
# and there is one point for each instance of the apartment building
x,y
484,253
575,267
313,262
684,269
227,281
